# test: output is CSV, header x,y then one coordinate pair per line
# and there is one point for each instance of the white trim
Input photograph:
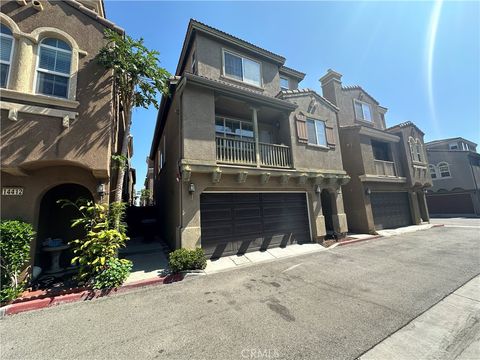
x,y
39,98
224,74
316,137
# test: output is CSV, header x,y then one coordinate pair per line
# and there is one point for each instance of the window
x,y
53,70
453,146
6,50
444,170
234,128
465,146
362,111
240,68
418,150
161,157
316,132
284,83
433,171
194,63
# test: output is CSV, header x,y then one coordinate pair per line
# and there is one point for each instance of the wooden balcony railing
x,y
243,152
275,155
384,168
236,151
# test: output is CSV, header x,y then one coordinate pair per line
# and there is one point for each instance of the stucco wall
x,y
347,112
460,170
35,137
209,55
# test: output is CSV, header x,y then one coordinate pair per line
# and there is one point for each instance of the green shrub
x,y
113,274
185,259
105,235
15,239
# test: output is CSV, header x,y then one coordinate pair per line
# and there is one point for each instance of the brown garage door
x,y
390,209
239,222
460,204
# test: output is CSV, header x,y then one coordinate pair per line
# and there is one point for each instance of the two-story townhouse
x,y
243,160
388,167
60,118
454,166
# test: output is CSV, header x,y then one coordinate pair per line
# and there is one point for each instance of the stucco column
x,y
190,232
415,209
422,202
319,230
339,218
255,134
21,72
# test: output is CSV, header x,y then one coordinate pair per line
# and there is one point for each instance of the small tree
x,y
145,197
138,79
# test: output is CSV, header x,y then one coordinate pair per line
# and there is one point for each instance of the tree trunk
x,y
124,153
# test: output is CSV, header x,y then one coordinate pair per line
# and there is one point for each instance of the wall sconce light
x,y
101,189
191,188
318,189
368,191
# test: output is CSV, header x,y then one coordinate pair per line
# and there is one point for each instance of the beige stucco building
x,y
243,159
387,166
60,120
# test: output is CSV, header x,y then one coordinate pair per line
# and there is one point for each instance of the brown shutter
x,y
330,135
301,122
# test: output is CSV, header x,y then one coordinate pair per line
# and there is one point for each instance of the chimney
x,y
331,85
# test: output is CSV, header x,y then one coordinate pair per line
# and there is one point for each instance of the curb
x,y
44,301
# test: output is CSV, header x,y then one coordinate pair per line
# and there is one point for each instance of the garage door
x,y
460,204
241,222
390,209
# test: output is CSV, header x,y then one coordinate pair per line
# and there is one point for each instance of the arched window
x,y
6,51
433,171
411,144
53,70
444,170
418,151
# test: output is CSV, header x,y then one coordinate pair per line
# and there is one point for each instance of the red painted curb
x,y
80,294
353,241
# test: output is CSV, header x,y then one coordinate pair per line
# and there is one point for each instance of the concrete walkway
x,y
404,230
448,330
234,261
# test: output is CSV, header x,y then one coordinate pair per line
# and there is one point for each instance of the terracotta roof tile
x,y
358,87
94,15
307,91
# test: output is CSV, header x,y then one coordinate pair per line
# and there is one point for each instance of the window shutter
x,y
330,135
301,122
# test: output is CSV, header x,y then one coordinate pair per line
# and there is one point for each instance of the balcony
x,y
384,168
244,152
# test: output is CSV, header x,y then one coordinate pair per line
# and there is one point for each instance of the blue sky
x,y
418,59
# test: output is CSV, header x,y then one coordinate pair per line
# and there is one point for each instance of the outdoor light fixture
x,y
191,188
101,189
318,189
368,191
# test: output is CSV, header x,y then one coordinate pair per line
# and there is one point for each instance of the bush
x,y
15,239
114,273
185,259
105,235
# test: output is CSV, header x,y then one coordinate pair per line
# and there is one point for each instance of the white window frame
x,y
362,103
45,71
315,121
239,136
260,85
440,171
288,83
9,63
434,172
419,151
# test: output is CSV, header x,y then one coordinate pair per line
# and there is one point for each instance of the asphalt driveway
x,y
335,304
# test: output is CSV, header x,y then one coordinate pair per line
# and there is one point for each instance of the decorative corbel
x,y
343,180
302,179
66,122
37,5
242,177
317,179
330,179
264,178
13,114
216,175
284,179
186,173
